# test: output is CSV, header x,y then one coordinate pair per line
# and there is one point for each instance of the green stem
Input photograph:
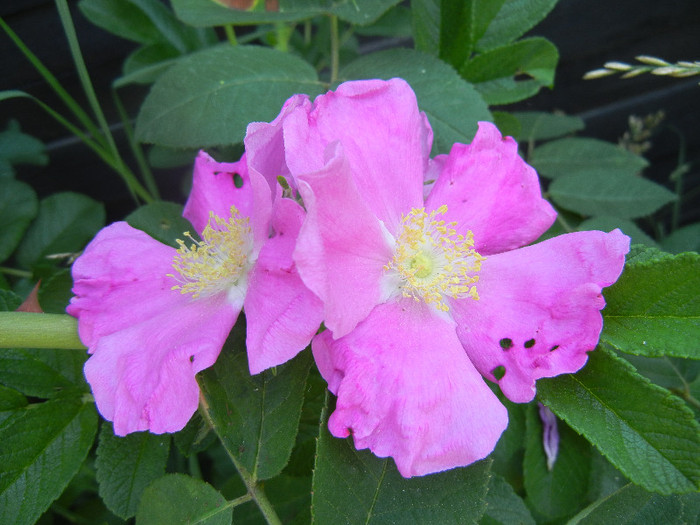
x,y
30,330
15,272
81,68
136,149
230,34
335,49
255,490
283,33
678,173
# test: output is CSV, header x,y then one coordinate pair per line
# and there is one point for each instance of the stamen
x,y
219,261
432,261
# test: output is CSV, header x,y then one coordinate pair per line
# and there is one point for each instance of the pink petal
x,y
385,139
282,314
264,142
147,340
214,190
491,191
143,377
120,278
538,312
406,390
342,249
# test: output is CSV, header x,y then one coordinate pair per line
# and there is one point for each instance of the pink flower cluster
x,y
422,270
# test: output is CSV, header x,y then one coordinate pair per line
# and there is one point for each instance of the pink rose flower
x,y
153,316
426,291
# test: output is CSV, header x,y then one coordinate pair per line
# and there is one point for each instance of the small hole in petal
x,y
554,348
499,372
237,180
506,343
191,359
530,343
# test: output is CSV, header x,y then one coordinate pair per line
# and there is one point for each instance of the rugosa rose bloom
x,y
424,295
153,316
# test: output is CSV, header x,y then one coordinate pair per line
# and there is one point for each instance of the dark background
x,y
587,33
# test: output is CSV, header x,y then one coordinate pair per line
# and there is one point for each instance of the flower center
x,y
432,262
220,261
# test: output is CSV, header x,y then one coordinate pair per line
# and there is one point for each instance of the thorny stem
x,y
255,490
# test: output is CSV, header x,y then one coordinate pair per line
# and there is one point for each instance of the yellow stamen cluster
x,y
218,261
434,262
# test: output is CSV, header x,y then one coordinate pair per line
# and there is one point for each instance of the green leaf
x,y
360,12
127,465
504,506
672,373
633,505
55,292
195,437
452,105
603,193
143,21
686,239
537,125
654,308
43,373
352,486
507,123
65,223
560,492
256,417
161,220
515,18
19,148
585,156
425,22
9,301
176,498
18,207
607,223
641,253
647,433
494,72
395,23
43,446
10,401
462,24
209,97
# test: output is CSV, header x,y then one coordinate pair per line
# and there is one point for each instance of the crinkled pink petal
x,y
539,308
342,249
282,314
489,189
143,377
120,279
406,389
147,340
264,142
214,190
385,138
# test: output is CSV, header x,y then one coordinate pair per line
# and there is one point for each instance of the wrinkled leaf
x,y
18,207
654,308
647,433
161,220
538,125
515,18
208,98
452,105
560,492
603,193
176,498
43,446
256,417
585,156
127,465
65,224
496,73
